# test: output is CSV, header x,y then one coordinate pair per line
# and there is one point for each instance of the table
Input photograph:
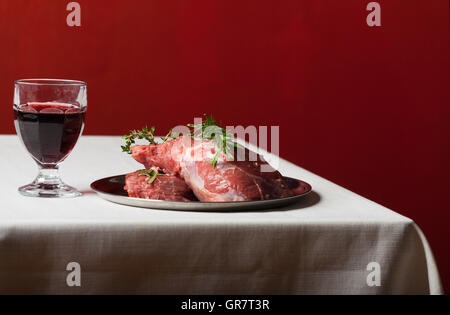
x,y
332,242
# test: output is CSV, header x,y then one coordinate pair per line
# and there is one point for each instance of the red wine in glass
x,y
49,131
49,118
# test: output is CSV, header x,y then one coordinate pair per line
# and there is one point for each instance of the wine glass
x,y
49,118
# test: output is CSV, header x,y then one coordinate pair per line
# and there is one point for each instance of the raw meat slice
x,y
168,187
230,180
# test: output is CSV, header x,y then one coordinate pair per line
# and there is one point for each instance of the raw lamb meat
x,y
230,180
169,187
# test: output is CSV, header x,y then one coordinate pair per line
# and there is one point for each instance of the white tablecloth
x,y
323,244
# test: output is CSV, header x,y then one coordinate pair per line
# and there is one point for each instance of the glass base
x,y
48,184
49,191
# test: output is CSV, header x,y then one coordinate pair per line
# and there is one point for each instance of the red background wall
x,y
365,107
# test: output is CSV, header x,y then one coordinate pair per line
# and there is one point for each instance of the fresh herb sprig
x,y
171,135
144,133
209,129
151,174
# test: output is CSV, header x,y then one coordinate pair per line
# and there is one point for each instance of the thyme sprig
x,y
208,129
144,133
171,135
151,174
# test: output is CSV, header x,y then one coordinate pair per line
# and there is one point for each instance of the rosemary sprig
x,y
145,133
151,174
208,129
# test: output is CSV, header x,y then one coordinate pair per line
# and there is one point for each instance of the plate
x,y
111,189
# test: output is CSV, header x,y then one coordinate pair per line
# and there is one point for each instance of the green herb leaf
x,y
151,174
170,136
208,129
144,133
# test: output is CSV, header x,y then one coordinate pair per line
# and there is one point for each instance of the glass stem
x,y
48,176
